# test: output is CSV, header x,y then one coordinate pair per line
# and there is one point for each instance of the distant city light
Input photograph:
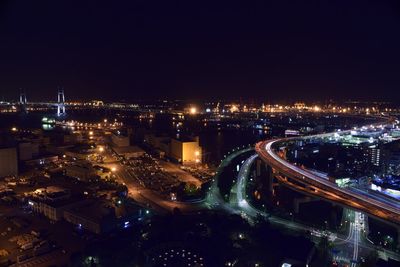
x,y
173,196
193,110
234,108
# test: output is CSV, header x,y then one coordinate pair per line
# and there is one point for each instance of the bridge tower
x,y
60,103
22,101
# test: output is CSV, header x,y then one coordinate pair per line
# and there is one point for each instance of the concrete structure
x,y
156,141
302,255
160,143
61,103
8,161
313,184
89,216
375,156
100,216
23,102
46,159
186,150
82,172
120,139
392,164
27,150
71,139
129,151
52,201
183,150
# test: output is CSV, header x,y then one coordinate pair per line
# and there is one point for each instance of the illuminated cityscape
x,y
156,134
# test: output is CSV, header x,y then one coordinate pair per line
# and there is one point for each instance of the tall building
x,y
8,161
375,156
186,150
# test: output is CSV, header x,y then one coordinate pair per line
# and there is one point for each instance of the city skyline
x,y
200,133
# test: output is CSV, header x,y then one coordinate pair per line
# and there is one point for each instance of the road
x,y
350,246
349,249
322,187
252,212
214,199
356,237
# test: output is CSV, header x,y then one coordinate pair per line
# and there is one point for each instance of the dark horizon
x,y
135,50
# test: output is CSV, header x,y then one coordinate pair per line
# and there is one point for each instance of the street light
x,y
113,169
101,149
193,110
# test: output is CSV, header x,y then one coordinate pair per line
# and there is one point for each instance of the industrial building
x,y
186,150
8,161
120,139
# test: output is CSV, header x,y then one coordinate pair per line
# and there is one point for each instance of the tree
x,y
371,259
324,256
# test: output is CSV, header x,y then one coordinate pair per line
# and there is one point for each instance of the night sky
x,y
264,50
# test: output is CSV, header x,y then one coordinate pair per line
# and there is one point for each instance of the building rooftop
x,y
184,139
99,210
127,150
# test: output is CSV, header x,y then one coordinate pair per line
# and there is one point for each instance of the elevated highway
x,y
311,183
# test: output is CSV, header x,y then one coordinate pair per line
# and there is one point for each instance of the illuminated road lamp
x,y
14,129
193,110
113,169
101,149
234,108
173,196
197,154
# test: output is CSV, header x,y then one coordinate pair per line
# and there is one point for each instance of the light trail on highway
x,y
240,205
352,241
244,205
356,238
373,206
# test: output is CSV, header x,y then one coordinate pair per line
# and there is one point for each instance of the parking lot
x,y
152,175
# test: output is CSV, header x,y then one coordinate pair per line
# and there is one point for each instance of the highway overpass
x,y
311,183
